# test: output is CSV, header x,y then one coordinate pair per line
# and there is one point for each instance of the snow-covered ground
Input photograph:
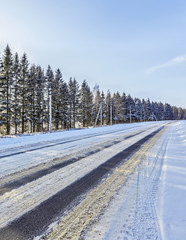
x,y
151,204
172,211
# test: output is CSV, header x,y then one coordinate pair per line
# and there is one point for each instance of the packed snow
x,y
31,194
72,142
151,204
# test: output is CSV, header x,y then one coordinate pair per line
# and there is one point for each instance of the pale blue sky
x,y
135,46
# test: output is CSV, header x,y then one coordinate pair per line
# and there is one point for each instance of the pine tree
x,y
49,76
85,104
73,89
124,107
6,82
175,112
117,107
161,111
31,98
131,111
168,112
64,98
23,90
56,98
155,109
16,111
148,110
39,98
109,108
139,110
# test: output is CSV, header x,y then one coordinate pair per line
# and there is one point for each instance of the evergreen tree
x,y
64,98
56,98
124,107
31,98
109,108
148,110
117,107
155,109
168,112
175,112
40,104
23,90
131,111
6,82
24,100
85,104
16,111
161,111
139,110
49,76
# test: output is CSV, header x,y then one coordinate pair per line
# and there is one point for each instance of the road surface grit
x,y
76,222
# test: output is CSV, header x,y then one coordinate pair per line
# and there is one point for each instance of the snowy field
x,y
150,204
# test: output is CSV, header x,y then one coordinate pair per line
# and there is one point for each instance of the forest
x,y
26,90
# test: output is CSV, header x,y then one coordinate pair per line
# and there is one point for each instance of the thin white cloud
x,y
169,63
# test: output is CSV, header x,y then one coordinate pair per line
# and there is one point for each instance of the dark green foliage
x,y
25,92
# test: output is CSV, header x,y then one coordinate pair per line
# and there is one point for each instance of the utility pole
x,y
100,112
110,111
97,116
101,106
130,115
50,110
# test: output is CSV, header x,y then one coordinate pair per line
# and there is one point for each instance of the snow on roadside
x,y
173,192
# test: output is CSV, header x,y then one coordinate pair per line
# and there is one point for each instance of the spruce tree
x,y
49,76
161,111
131,111
23,90
117,107
139,110
39,98
16,111
73,89
56,98
109,108
6,82
85,104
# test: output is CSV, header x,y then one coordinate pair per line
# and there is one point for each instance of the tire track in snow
x,y
7,187
74,225
132,213
61,143
36,220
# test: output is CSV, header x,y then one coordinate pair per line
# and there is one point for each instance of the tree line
x,y
25,91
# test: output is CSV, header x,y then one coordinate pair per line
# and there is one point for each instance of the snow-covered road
x,y
41,148
38,170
